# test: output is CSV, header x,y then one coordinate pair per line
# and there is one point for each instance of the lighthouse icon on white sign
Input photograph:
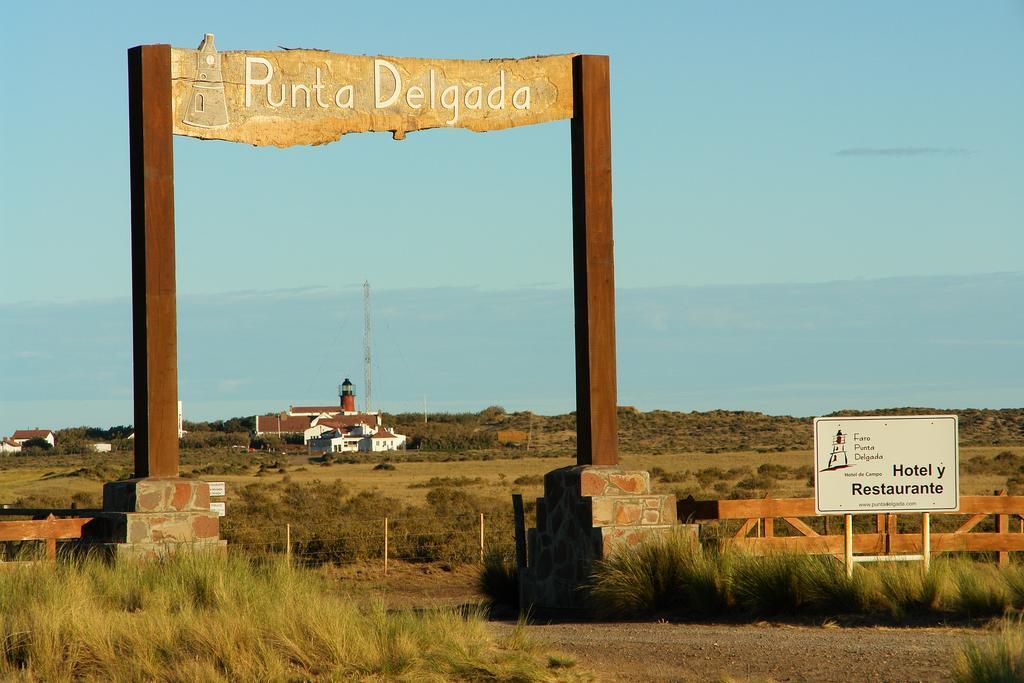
x,y
838,450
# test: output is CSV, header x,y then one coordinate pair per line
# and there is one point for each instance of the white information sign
x,y
219,508
896,463
217,488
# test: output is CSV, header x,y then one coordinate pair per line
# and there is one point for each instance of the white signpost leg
x,y
848,545
926,540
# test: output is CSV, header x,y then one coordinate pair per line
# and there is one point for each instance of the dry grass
x,y
212,618
999,659
675,576
46,481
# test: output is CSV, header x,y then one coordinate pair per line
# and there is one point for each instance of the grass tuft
x,y
671,573
906,588
498,581
981,590
999,659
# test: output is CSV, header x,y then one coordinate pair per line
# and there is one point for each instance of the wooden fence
x,y
48,530
760,515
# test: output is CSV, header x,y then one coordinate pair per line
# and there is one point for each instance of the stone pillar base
x,y
155,516
587,513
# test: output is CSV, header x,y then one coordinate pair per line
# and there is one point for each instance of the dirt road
x,y
662,651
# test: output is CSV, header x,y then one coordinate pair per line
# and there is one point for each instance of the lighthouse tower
x,y
207,108
348,397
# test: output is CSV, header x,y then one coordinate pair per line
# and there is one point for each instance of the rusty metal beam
x,y
594,276
154,319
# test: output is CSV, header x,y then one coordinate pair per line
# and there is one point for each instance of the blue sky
x,y
753,143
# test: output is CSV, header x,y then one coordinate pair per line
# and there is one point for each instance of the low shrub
x,y
498,580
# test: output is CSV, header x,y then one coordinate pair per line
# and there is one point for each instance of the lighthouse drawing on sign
x,y
207,108
838,448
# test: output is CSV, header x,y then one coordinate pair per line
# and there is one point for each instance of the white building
x,y
8,446
356,439
20,436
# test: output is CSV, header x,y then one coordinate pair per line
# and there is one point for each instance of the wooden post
x,y
154,320
848,543
481,538
926,540
519,521
288,544
51,549
594,275
1002,527
385,546
890,531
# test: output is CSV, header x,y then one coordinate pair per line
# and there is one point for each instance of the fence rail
x,y
760,515
48,530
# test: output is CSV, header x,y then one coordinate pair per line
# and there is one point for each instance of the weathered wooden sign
x,y
310,97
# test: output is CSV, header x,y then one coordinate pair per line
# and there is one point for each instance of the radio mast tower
x,y
367,335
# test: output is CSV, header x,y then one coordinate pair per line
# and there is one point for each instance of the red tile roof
x,y
316,409
383,433
286,424
350,420
31,433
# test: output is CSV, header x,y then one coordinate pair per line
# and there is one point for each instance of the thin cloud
x,y
905,152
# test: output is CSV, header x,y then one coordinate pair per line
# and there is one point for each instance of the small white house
x,y
335,441
326,423
20,436
385,440
102,447
8,446
357,438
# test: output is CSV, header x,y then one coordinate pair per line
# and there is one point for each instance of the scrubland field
x,y
433,495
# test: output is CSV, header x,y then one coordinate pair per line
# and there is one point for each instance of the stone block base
x,y
156,494
587,513
153,551
152,517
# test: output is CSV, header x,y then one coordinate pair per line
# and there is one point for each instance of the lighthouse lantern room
x,y
348,397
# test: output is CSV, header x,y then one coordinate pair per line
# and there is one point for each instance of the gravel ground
x,y
693,652
650,651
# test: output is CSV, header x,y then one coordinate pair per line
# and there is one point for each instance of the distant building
x,y
20,436
102,447
281,424
8,446
332,429
356,439
324,423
